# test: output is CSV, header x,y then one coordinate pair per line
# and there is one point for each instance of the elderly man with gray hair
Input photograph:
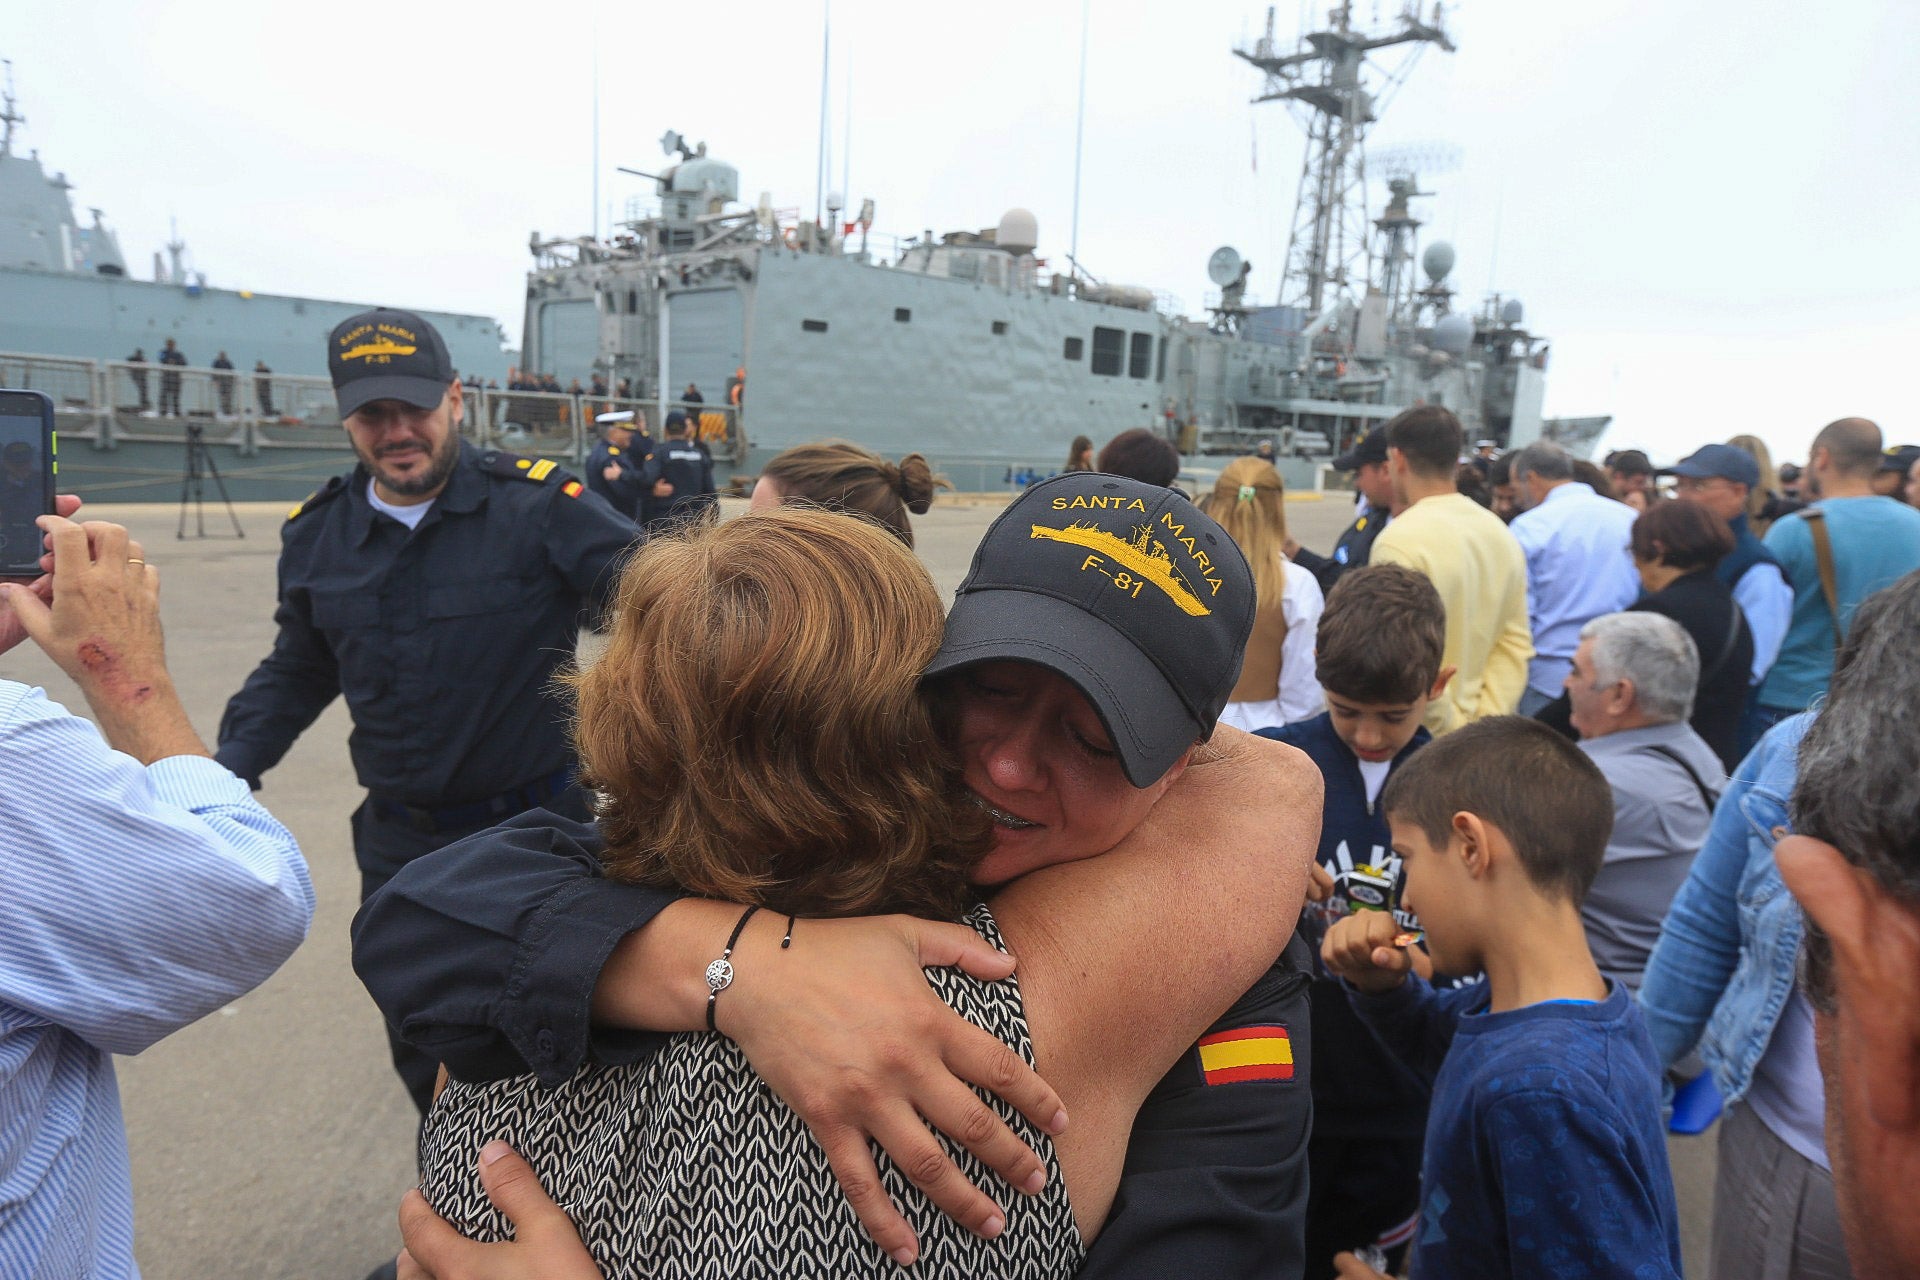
x,y
1631,686
1577,563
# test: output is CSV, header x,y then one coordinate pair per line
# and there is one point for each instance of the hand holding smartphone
x,y
27,469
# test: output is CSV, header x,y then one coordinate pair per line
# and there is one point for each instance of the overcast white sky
x,y
1707,206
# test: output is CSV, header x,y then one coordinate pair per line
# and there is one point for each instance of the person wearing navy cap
x,y
1088,655
439,588
1896,465
1719,477
683,486
621,467
1368,462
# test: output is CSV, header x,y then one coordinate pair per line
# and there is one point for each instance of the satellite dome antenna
x,y
1223,267
1226,268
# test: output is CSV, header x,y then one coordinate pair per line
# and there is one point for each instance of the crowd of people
x,y
1562,792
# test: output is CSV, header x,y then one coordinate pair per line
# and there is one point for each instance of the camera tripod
x,y
199,468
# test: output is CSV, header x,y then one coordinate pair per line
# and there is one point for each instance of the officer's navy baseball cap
x,y
386,354
675,418
1371,447
1729,462
1126,590
1900,457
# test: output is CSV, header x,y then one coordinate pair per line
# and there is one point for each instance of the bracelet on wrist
x,y
720,972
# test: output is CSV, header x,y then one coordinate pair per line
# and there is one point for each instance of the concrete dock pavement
x,y
272,1139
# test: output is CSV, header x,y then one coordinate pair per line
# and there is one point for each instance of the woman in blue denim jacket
x,y
1724,965
1721,977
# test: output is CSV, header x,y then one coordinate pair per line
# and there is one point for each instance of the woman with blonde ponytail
x,y
1277,681
841,476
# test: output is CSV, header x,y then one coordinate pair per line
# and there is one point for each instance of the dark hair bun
x,y
914,481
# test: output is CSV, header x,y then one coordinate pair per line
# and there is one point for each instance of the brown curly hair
x,y
756,728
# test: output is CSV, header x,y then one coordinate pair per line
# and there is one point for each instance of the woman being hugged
x,y
794,761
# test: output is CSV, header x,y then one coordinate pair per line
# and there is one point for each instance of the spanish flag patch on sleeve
x,y
1246,1053
571,488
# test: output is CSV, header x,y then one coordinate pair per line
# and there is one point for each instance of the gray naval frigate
x,y
966,346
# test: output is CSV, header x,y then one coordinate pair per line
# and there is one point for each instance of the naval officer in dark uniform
x,y
686,468
621,467
1368,462
439,588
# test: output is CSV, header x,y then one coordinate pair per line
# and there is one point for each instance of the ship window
x,y
633,302
814,326
1161,376
1075,347
1140,356
999,326
1109,345
903,314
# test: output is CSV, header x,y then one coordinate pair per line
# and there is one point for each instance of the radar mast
x,y
1325,75
9,113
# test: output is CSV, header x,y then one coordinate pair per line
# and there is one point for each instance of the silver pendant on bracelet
x,y
719,976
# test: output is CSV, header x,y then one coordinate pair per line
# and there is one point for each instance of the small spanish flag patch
x,y
571,488
1247,1053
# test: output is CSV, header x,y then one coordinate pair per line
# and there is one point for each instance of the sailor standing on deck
x,y
174,358
439,588
621,467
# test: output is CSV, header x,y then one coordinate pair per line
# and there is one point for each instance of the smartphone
x,y
27,470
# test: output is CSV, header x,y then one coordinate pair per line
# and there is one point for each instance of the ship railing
x,y
542,422
110,402
68,382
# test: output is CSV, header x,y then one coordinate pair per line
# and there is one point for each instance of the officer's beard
x,y
427,482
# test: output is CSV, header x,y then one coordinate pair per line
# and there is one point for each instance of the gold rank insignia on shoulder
x,y
537,469
324,493
613,450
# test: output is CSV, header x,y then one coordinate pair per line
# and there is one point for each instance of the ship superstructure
x,y
968,347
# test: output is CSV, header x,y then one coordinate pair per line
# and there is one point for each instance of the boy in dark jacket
x,y
1378,653
1544,1154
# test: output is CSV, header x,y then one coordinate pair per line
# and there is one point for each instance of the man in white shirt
x,y
1577,563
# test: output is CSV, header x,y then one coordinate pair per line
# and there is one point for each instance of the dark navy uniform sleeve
x,y
485,953
588,543
1215,1181
294,683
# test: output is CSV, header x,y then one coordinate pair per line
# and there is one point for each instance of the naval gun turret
x,y
696,188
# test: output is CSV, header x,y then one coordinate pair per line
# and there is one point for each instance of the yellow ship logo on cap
x,y
1142,559
383,346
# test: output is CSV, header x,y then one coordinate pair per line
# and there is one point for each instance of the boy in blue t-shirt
x,y
1544,1150
1377,656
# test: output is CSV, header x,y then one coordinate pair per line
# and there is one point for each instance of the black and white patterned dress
x,y
687,1165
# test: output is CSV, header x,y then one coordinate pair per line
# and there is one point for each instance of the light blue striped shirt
x,y
1578,568
133,900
